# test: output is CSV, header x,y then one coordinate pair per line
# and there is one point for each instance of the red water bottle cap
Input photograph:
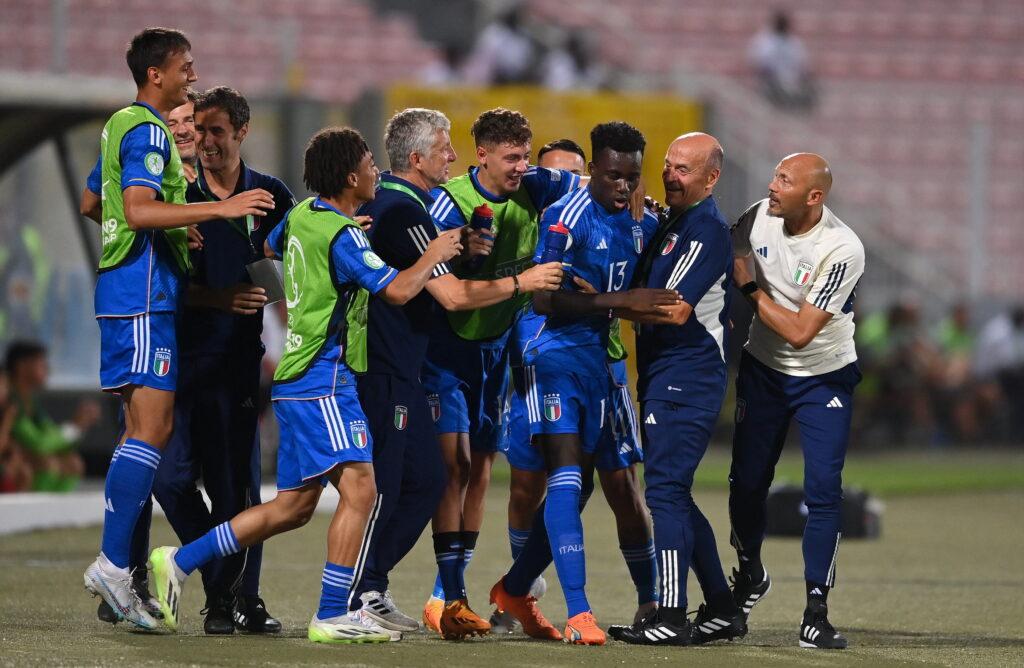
x,y
483,211
559,228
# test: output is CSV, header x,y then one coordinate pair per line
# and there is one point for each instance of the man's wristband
x,y
515,282
749,288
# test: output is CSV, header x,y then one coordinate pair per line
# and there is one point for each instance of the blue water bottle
x,y
555,243
482,219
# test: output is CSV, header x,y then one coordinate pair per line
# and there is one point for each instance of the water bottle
x,y
482,219
555,243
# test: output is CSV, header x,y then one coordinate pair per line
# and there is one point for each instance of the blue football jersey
x,y
604,250
354,264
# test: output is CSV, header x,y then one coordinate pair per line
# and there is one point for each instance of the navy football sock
x,y
448,554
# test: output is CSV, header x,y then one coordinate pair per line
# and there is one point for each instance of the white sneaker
x,y
169,581
539,587
342,630
503,623
114,585
369,623
381,609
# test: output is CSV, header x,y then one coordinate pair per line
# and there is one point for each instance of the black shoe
x,y
106,614
746,592
711,626
815,630
616,630
654,631
251,616
218,611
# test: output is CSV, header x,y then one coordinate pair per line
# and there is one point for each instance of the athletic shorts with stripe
x,y
318,434
138,350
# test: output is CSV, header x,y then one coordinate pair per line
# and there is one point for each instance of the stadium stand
x,y
900,116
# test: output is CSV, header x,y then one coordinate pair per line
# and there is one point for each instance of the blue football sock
x,y
335,585
220,541
129,484
448,553
516,540
533,558
643,568
468,540
565,533
438,587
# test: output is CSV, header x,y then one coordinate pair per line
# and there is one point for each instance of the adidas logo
x,y
835,403
763,251
650,419
625,449
816,591
603,245
248,403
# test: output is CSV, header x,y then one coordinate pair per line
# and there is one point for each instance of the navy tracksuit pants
x,y
766,401
409,471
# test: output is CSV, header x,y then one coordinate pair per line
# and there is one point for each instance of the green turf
x,y
925,472
943,586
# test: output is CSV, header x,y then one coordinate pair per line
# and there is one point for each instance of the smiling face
x,y
182,124
502,166
614,178
434,165
217,141
174,78
686,176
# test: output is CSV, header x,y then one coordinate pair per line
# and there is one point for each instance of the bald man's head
x,y
801,182
693,164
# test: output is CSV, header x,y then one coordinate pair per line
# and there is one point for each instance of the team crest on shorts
x,y
359,434
741,410
669,243
552,407
401,417
162,362
802,273
434,402
638,239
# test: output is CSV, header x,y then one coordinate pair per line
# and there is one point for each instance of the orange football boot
x,y
524,608
583,630
432,614
458,621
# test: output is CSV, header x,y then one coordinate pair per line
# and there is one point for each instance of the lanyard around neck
x,y
401,187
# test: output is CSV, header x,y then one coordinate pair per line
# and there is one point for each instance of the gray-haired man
x,y
408,464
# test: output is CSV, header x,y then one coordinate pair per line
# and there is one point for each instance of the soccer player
x,y
216,416
408,467
466,371
566,370
799,363
142,268
324,434
618,451
181,123
682,380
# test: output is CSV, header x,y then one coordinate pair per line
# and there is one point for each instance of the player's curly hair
x,y
331,155
151,48
567,145
501,126
230,100
617,136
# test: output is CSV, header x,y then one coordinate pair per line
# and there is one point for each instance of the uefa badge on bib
x,y
401,417
434,402
552,407
638,239
359,434
803,273
669,244
162,362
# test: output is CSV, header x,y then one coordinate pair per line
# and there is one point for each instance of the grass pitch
x,y
943,586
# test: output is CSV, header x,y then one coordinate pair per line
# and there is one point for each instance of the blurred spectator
x,y
445,70
50,447
951,381
999,365
504,52
780,59
572,65
15,472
